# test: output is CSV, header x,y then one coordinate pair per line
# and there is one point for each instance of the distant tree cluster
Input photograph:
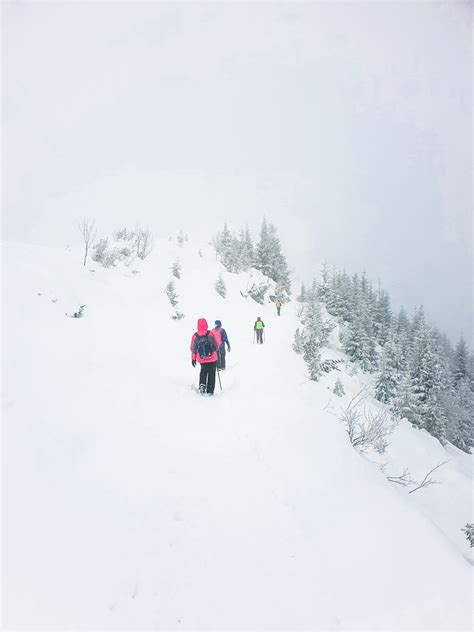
x,y
417,371
238,253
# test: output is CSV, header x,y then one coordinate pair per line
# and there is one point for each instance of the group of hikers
x,y
208,348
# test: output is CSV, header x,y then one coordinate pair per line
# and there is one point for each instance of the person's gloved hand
x,y
228,348
193,362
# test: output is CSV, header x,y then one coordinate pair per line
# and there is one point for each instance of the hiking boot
x,y
202,388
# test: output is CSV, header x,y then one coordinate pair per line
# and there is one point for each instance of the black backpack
x,y
203,346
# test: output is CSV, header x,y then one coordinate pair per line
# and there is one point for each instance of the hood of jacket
x,y
202,326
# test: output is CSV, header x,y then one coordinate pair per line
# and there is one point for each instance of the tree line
x,y
417,371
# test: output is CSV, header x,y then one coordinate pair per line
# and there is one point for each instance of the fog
x,y
346,124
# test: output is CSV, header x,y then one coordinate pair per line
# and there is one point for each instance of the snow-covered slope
x,y
132,502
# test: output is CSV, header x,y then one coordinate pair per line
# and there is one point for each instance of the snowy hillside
x,y
131,502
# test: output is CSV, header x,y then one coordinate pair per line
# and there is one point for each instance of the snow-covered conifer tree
x,y
460,362
170,291
270,260
220,286
339,388
246,249
176,269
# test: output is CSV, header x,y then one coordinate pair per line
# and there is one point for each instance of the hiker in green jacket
x,y
258,329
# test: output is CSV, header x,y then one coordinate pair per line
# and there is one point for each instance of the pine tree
x,y
382,316
220,286
298,342
339,388
315,333
388,376
246,248
170,291
270,260
406,404
434,419
461,362
302,295
176,269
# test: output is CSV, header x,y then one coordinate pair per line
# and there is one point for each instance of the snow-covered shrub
x,y
143,242
220,286
100,249
176,269
469,531
367,428
338,388
170,291
177,315
181,239
200,253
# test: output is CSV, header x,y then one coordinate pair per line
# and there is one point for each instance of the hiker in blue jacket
x,y
221,335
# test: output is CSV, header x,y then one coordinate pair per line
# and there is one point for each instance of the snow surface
x,y
131,502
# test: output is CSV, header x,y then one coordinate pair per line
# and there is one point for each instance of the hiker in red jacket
x,y
204,346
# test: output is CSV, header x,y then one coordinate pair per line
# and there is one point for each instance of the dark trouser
x,y
221,358
259,336
207,377
278,310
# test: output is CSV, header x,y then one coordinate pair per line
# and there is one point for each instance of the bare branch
x,y
89,234
427,480
404,479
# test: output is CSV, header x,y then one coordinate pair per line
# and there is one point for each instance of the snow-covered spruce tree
x,y
382,316
406,403
459,415
270,260
433,416
298,342
181,238
324,285
228,250
176,269
460,362
315,333
170,291
246,249
220,286
302,295
339,388
388,376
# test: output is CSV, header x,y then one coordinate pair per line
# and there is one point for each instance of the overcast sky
x,y
347,123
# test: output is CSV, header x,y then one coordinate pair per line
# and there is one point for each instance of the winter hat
x,y
218,323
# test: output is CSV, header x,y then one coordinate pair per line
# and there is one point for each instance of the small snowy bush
x,y
367,428
339,388
220,286
170,291
176,269
469,531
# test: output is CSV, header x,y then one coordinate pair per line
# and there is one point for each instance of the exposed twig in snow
x,y
427,480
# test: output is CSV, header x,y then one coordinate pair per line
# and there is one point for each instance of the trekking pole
x,y
219,376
